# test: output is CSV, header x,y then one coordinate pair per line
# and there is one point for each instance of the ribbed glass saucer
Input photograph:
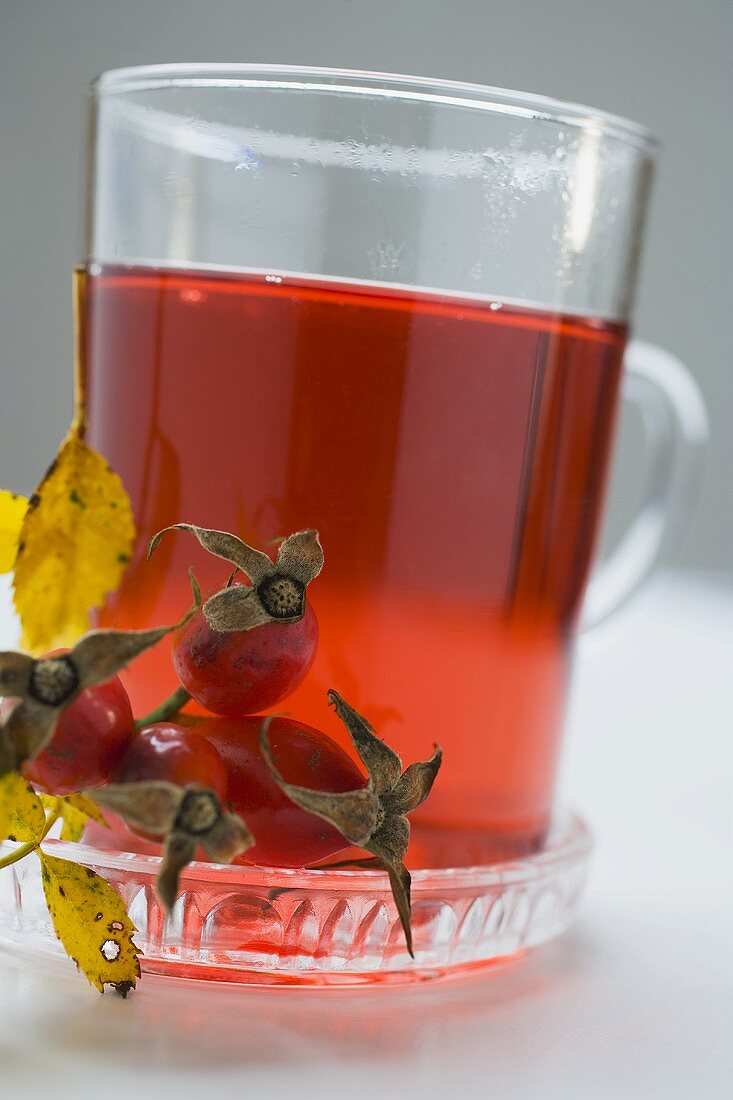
x,y
264,925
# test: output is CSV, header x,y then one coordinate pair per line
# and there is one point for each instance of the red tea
x,y
452,454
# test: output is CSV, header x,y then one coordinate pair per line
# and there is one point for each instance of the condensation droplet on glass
x,y
385,257
493,306
273,278
247,162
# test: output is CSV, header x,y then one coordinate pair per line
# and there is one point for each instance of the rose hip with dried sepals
x,y
46,687
373,817
254,643
285,835
174,753
91,737
184,818
166,752
243,672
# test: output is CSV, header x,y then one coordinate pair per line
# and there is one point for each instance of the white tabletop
x,y
635,1002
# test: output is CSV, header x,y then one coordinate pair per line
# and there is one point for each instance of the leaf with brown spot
x,y
22,816
76,532
90,919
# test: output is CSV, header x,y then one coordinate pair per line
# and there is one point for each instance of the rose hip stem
x,y
169,708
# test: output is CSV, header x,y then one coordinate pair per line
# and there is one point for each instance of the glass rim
x,y
526,105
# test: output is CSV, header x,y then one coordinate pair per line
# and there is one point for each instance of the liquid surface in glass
x,y
452,455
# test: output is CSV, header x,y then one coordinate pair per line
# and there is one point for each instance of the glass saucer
x,y
276,926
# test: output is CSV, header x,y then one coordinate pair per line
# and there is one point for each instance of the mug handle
x,y
676,428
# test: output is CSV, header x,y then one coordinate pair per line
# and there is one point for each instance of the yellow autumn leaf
x,y
22,816
75,541
75,810
81,803
91,921
12,510
8,783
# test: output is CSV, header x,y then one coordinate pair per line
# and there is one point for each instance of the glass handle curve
x,y
676,428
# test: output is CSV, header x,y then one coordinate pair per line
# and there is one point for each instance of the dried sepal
x,y
354,813
150,805
46,685
102,653
382,763
178,852
184,817
27,729
415,784
278,592
221,544
372,817
7,757
234,609
228,838
300,556
15,673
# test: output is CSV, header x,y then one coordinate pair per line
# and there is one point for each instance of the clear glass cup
x,y
395,310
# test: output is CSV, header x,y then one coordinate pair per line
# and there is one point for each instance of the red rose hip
x,y
175,754
242,672
90,739
285,835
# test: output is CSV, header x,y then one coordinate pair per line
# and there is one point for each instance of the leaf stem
x,y
79,423
32,845
169,708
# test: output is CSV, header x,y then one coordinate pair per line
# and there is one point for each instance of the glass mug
x,y
395,310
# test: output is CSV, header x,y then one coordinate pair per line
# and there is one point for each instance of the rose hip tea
x,y
452,454
354,343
